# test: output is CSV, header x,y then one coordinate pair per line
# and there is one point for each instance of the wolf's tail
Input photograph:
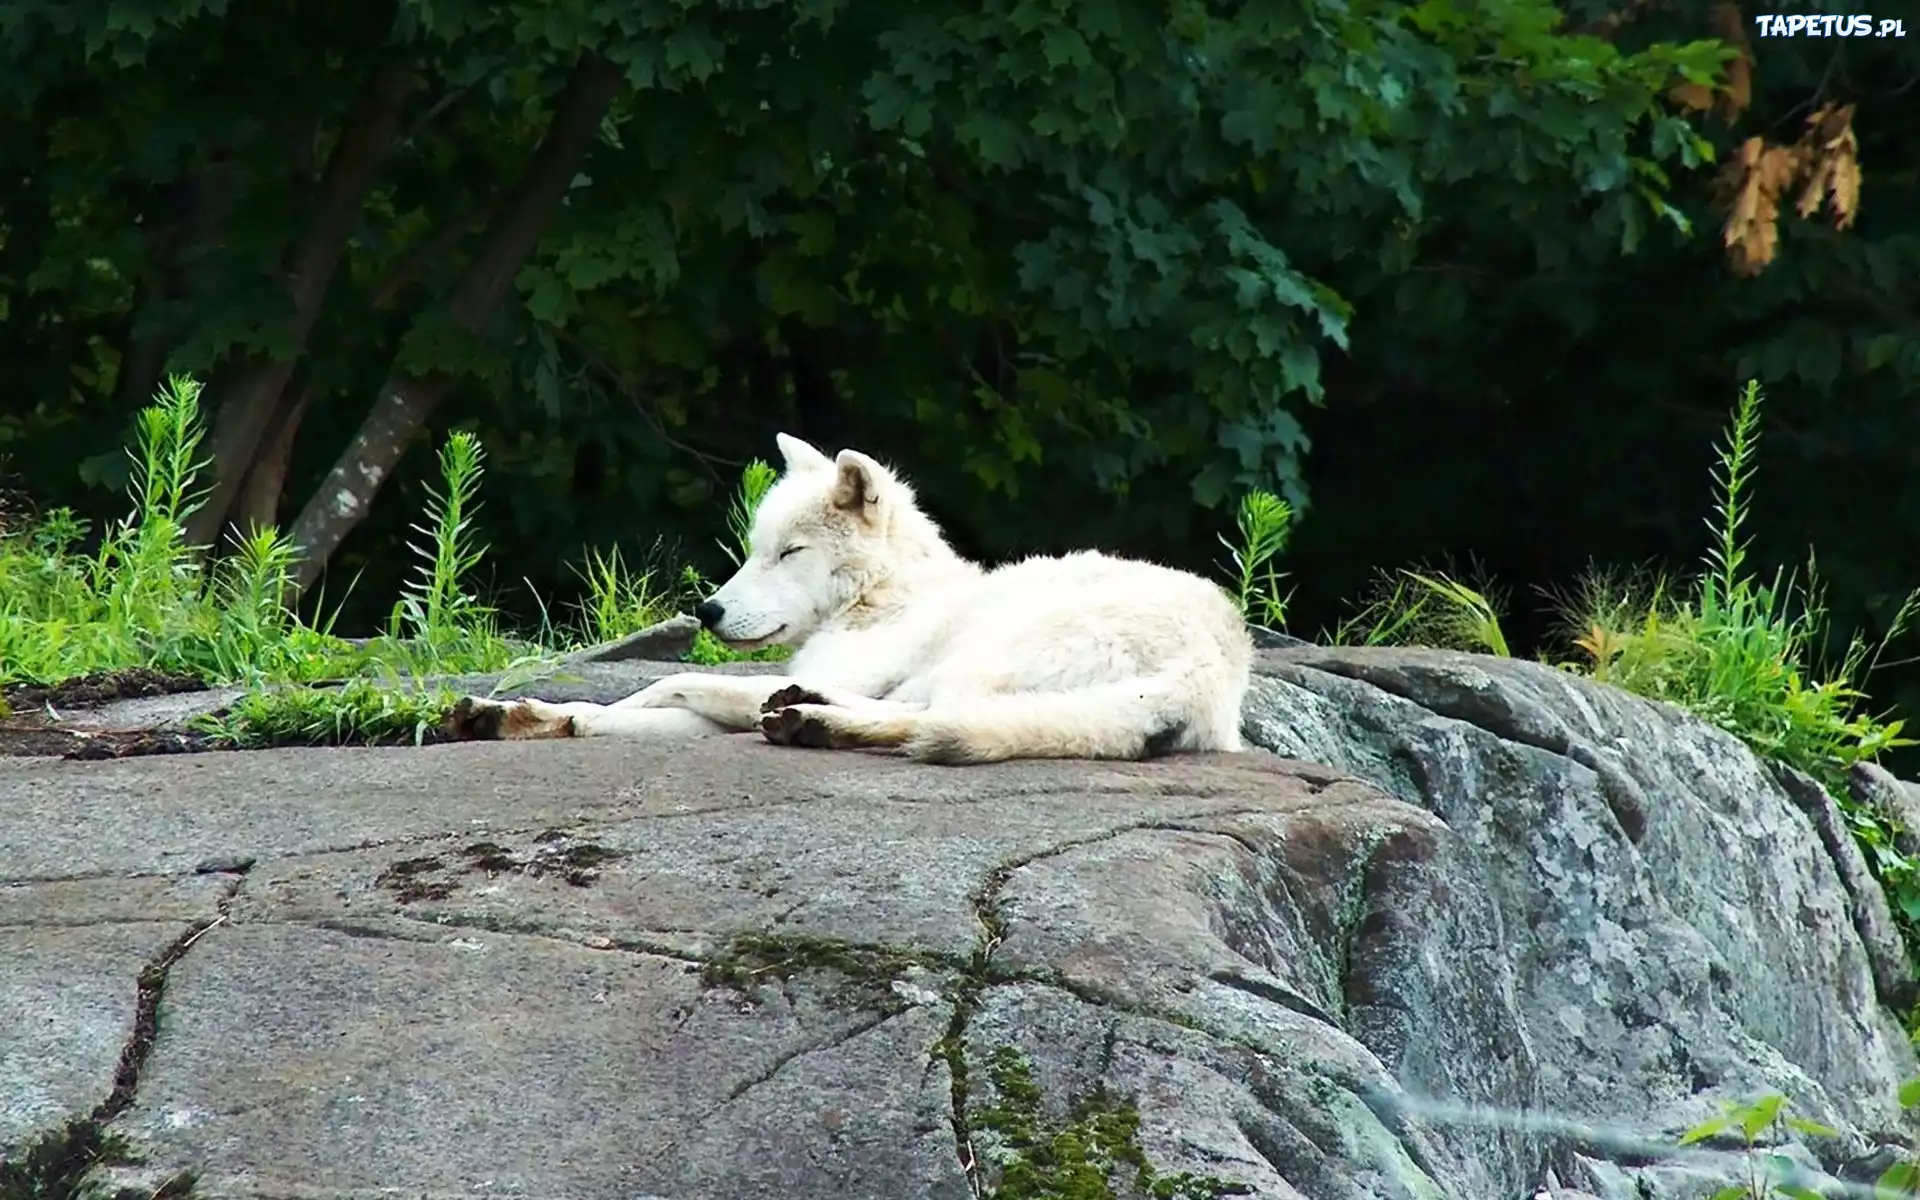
x,y
1136,719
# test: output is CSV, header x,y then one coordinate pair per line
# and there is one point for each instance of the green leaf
x,y
994,138
815,232
1210,486
547,296
1910,1092
693,53
1900,1179
1064,47
1760,1114
1711,1127
1811,1128
1882,349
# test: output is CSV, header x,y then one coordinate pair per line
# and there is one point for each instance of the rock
x,y
1273,639
1896,800
1679,930
1867,902
170,713
70,954
1513,936
664,640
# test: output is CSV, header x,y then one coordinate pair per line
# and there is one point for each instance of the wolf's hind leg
x,y
1137,719
732,701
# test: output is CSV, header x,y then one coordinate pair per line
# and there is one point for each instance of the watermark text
x,y
1830,25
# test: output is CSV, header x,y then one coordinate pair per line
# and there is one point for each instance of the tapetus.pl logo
x,y
1829,25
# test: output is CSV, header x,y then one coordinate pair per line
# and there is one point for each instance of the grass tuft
x,y
1427,608
1263,522
360,712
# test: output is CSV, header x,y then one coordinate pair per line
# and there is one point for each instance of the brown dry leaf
x,y
1833,153
1733,173
1843,190
1739,93
1816,187
1830,124
1752,183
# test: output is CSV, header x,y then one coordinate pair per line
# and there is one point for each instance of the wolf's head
x,y
826,534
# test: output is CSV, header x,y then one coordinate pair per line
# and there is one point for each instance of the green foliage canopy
x,y
1104,238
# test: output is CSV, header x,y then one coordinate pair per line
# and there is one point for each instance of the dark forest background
x,y
1469,281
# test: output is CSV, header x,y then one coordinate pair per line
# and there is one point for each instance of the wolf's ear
x,y
799,455
857,488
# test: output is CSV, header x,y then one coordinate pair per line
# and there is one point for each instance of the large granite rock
x,y
1479,931
1680,924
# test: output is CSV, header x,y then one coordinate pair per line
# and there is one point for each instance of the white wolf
x,y
902,644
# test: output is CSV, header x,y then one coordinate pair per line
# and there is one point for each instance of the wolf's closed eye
x,y
790,551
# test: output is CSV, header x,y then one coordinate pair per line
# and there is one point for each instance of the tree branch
x,y
405,404
248,402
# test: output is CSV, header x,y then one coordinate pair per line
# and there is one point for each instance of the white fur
x,y
914,648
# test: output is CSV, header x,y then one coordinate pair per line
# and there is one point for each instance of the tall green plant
x,y
1724,584
1745,653
433,606
145,559
755,481
1764,1123
1263,522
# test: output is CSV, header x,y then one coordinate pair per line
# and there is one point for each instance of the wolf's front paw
x,y
475,719
789,696
799,725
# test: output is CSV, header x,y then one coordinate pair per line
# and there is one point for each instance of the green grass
x,y
359,712
1426,608
1741,650
145,598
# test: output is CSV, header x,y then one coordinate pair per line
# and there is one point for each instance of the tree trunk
x,y
405,404
258,503
248,401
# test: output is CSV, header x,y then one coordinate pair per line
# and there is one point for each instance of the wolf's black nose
x,y
708,613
